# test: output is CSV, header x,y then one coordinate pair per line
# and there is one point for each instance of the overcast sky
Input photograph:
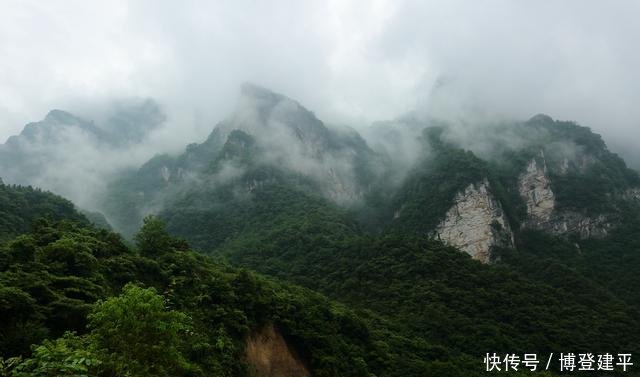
x,y
350,62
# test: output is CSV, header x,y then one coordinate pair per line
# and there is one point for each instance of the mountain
x,y
552,176
474,192
72,156
424,245
269,141
533,201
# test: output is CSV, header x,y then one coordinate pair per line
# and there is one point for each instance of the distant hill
x,y
21,207
74,157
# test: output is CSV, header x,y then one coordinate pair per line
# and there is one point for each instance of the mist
x,y
352,63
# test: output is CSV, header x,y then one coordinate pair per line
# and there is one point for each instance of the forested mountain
x,y
473,188
21,208
417,308
269,139
420,249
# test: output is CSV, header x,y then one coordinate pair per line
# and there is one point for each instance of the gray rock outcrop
x,y
475,223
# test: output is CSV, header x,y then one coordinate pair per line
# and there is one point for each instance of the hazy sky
x,y
351,62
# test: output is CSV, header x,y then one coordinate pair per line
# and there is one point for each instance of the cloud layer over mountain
x,y
350,62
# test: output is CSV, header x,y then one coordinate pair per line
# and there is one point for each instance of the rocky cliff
x,y
475,223
534,186
535,189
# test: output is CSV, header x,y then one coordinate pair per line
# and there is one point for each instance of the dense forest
x,y
95,306
21,206
403,305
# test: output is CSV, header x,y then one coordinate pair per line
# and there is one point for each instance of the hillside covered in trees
x,y
90,304
284,239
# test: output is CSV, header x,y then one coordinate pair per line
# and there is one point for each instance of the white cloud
x,y
353,62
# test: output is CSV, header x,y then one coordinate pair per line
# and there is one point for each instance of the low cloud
x,y
352,62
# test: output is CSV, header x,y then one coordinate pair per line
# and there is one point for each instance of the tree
x,y
67,356
153,239
139,336
21,325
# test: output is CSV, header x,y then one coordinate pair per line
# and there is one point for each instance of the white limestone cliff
x,y
535,189
475,223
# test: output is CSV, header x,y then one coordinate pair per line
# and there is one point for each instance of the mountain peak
x,y
46,128
540,119
60,116
258,92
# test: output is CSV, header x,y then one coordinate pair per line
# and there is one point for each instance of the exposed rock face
x,y
166,173
269,355
568,222
535,190
475,223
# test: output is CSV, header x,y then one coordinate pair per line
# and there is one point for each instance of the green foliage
x,y
608,264
207,223
22,323
197,327
67,356
57,272
153,239
139,336
439,295
21,206
133,334
593,191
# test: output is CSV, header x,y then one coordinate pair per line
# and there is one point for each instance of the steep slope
x,y
449,196
51,281
572,184
477,190
476,223
269,140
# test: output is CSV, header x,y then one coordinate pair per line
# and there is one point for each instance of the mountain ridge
x,y
348,172
536,171
487,241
